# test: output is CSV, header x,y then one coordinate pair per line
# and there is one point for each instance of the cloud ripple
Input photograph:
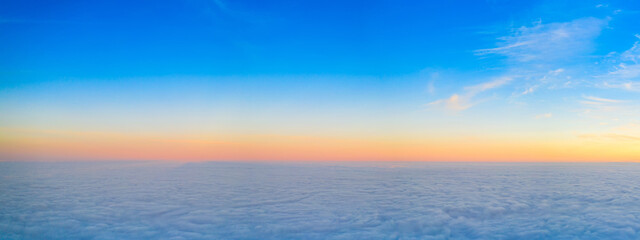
x,y
319,201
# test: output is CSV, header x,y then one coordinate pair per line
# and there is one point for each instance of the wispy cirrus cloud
x,y
452,103
544,55
632,54
548,42
625,85
533,53
600,100
599,104
609,111
536,81
626,74
458,102
473,90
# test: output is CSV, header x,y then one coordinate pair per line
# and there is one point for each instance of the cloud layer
x,y
319,201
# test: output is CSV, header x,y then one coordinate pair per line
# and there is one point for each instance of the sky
x,y
320,80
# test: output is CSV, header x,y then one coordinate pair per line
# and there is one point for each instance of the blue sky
x,y
95,39
561,70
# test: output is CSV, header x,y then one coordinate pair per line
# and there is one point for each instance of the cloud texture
x,y
319,201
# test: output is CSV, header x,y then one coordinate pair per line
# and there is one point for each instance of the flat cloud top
x,y
319,201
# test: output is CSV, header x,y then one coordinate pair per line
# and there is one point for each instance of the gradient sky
x,y
320,80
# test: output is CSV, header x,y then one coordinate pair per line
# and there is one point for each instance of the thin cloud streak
x,y
546,115
626,74
462,102
534,53
604,100
548,42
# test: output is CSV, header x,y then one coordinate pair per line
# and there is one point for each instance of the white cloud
x,y
546,115
554,56
550,80
529,90
625,71
534,53
453,103
603,100
626,85
599,109
549,42
319,201
473,90
461,102
633,53
625,75
602,104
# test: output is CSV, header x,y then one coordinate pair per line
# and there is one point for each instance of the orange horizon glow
x,y
81,146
